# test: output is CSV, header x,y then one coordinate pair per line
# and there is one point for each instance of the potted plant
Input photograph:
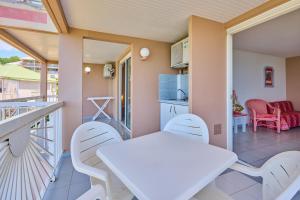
x,y
237,108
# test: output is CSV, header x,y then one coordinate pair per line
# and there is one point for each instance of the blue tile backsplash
x,y
167,86
169,83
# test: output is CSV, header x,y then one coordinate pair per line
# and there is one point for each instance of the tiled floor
x,y
256,148
70,185
252,148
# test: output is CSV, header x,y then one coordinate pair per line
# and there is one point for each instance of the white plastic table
x,y
100,107
165,166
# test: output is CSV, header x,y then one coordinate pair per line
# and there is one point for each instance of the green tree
x,y
9,60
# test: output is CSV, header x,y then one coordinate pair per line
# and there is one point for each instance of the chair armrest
x,y
290,191
249,170
93,172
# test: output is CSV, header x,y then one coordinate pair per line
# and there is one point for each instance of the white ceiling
x,y
102,52
278,37
163,20
45,44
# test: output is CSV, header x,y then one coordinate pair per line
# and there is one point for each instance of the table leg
x,y
235,127
244,127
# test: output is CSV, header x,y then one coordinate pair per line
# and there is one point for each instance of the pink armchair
x,y
259,116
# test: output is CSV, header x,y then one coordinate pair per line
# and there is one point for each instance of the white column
x,y
43,81
70,84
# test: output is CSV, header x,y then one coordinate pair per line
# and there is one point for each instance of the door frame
x,y
280,10
122,61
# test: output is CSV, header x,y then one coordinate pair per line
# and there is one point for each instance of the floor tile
x,y
256,148
297,196
242,196
78,177
57,193
254,191
67,166
233,182
76,190
62,180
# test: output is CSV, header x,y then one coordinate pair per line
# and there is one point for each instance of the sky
x,y
7,51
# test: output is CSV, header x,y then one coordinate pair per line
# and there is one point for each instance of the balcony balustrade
x,y
30,149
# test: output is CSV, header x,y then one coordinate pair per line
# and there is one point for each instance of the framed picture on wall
x,y
269,76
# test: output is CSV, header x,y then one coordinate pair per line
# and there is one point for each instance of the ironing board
x,y
100,107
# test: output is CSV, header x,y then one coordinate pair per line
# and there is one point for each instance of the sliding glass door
x,y
125,93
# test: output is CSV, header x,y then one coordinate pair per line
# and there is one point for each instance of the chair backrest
x,y
280,172
190,125
284,106
87,138
259,105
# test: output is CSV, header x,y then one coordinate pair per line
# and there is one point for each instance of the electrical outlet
x,y
217,129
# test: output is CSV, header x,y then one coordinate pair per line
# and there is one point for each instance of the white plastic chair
x,y
190,125
86,139
280,174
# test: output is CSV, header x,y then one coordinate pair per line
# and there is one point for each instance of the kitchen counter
x,y
175,102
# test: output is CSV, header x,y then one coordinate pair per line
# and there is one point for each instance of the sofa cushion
x,y
291,118
284,106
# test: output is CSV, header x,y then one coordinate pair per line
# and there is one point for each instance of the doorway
x,y
125,92
264,17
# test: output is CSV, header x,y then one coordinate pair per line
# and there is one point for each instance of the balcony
x,y
30,147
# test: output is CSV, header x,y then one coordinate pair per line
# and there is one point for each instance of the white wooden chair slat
x,y
189,125
92,161
101,139
91,148
279,173
86,139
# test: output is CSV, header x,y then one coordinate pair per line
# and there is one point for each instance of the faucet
x,y
184,94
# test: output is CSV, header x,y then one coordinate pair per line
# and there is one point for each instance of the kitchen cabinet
x,y
170,110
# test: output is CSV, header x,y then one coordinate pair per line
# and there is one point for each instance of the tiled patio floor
x,y
252,148
70,184
256,148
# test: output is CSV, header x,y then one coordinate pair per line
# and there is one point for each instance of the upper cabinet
x,y
180,54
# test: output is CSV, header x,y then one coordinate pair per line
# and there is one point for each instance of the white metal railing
x,y
13,107
24,99
30,149
52,98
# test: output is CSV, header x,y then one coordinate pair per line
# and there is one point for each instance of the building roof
x,y
16,72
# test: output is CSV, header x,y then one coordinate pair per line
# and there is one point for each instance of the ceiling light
x,y
87,69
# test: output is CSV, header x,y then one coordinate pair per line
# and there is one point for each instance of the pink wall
x,y
145,74
293,81
70,84
145,105
95,85
208,75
